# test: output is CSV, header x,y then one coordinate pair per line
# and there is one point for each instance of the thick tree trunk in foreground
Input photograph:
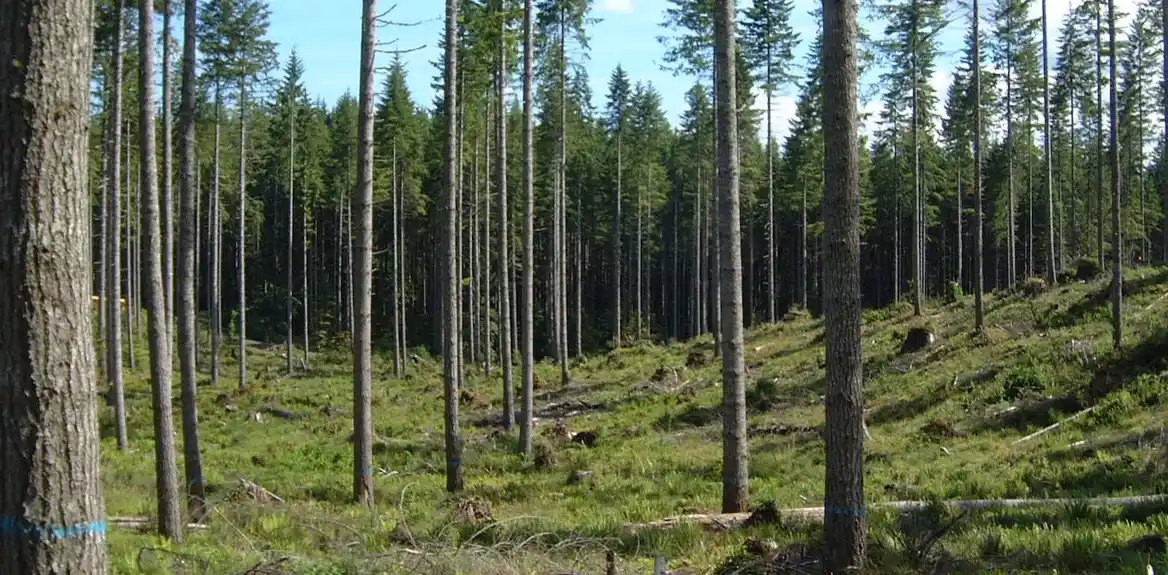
x,y
735,480
52,518
362,205
845,525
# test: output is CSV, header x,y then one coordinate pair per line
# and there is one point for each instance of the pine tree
x,y
50,446
619,92
769,44
844,525
362,283
451,346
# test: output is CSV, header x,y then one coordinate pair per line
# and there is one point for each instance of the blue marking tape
x,y
19,526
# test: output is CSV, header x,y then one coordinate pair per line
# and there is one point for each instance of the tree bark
x,y
362,269
616,238
845,525
735,480
291,231
52,516
216,234
113,241
504,232
452,344
165,466
528,307
1116,231
241,256
979,222
167,191
187,270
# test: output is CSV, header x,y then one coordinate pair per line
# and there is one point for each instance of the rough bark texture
x,y
113,241
979,222
363,269
166,192
1051,263
504,236
187,318
291,236
1116,232
735,480
845,523
213,223
451,345
165,467
526,337
52,518
241,252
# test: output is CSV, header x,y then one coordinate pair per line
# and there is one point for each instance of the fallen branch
x,y
1054,426
815,514
258,493
144,522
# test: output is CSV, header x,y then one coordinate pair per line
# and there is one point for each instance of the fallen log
x,y
145,522
728,521
1054,426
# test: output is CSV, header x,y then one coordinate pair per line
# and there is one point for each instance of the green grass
x,y
942,424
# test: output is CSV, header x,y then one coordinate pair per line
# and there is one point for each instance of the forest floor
x,y
943,424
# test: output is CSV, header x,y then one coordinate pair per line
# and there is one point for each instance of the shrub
x,y
1034,286
1022,380
953,292
1087,269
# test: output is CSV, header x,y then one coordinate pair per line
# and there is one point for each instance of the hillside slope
x,y
943,424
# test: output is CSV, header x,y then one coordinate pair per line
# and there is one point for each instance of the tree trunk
x,y
214,223
525,338
166,198
1164,181
979,223
1011,237
241,256
159,335
131,257
844,526
485,241
187,269
398,345
452,343
291,231
504,232
559,225
362,270
616,241
50,449
1116,232
113,241
640,261
735,480
772,272
304,272
918,217
1099,133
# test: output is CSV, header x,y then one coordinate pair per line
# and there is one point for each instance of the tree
x,y
769,43
113,242
50,445
1051,264
453,343
362,205
504,226
618,108
157,326
1116,233
187,316
979,222
735,480
166,200
844,526
527,323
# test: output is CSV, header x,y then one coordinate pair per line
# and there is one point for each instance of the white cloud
x,y
782,113
619,6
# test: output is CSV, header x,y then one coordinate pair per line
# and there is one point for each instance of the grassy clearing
x,y
942,420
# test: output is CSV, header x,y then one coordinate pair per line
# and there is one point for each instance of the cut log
x,y
815,514
144,523
1054,426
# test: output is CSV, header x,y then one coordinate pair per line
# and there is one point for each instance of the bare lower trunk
x,y
504,237
452,343
844,525
362,270
735,480
49,449
113,242
187,271
528,307
165,466
241,256
1116,231
166,198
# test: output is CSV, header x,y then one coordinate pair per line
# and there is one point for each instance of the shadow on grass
x,y
1031,414
1149,356
1101,297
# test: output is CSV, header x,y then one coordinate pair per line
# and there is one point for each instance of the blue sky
x,y
328,40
